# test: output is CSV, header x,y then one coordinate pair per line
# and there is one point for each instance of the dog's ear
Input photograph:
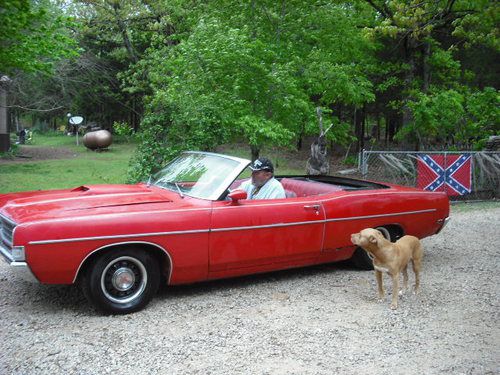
x,y
372,239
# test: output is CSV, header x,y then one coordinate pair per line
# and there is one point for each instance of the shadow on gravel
x,y
50,299
256,280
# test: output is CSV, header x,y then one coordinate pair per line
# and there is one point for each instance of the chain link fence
x,y
462,175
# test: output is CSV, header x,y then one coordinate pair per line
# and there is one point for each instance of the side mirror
x,y
237,195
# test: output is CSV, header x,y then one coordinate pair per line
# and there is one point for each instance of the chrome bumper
x,y
21,268
444,222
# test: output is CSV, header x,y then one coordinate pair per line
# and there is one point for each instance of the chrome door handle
x,y
315,207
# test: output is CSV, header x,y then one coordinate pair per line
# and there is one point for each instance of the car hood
x,y
84,201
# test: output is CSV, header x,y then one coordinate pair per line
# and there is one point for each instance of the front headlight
x,y
18,253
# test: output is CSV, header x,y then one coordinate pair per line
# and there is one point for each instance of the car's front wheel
x,y
121,281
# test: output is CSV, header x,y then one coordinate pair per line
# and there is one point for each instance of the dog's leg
x,y
395,290
416,269
380,286
416,261
405,279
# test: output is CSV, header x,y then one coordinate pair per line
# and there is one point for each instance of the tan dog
x,y
392,258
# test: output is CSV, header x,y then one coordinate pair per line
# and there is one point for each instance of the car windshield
x,y
199,175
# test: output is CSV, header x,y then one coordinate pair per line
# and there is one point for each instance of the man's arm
x,y
277,191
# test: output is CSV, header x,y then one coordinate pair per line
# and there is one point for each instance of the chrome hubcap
x,y
385,232
123,279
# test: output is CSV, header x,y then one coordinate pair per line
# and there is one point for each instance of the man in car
x,y
263,185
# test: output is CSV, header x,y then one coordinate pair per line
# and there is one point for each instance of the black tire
x,y
122,281
360,258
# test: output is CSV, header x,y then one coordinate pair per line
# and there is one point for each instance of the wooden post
x,y
4,123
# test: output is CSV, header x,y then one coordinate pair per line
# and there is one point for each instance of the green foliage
x,y
483,109
446,115
33,35
13,151
351,160
251,72
479,24
338,132
193,75
153,150
124,132
445,69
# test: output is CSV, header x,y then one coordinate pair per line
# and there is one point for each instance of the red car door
x,y
265,234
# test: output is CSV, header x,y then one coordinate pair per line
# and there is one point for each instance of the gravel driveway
x,y
319,320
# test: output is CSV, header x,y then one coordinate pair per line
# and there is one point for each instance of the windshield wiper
x,y
149,180
179,190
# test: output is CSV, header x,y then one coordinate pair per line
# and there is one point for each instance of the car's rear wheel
x,y
361,259
121,281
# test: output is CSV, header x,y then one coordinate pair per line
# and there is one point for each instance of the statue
x,y
318,163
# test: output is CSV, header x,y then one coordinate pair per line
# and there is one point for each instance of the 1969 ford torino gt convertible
x,y
190,223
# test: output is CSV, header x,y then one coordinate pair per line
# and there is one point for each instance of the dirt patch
x,y
36,153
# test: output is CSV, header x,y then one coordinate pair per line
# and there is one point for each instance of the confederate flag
x,y
449,173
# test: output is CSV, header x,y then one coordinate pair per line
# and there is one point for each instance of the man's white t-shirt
x,y
272,189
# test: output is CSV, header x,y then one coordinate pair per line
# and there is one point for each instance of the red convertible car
x,y
190,223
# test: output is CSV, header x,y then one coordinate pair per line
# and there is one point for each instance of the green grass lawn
x,y
83,167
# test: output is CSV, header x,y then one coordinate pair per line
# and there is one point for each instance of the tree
x,y
427,38
255,72
33,35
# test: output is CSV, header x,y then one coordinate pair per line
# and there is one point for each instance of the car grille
x,y
6,230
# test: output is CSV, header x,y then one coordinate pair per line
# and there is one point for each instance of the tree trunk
x,y
363,126
359,120
123,30
426,73
4,123
378,126
356,130
407,117
391,126
255,152
299,142
409,77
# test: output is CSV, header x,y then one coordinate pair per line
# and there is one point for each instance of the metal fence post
x,y
364,162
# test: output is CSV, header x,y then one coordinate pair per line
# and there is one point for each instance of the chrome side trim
x,y
380,192
127,243
444,222
79,239
381,215
288,202
44,242
279,225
